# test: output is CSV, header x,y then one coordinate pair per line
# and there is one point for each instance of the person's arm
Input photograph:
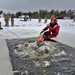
x,y
53,27
26,44
45,29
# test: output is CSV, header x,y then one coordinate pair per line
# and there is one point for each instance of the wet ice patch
x,y
61,53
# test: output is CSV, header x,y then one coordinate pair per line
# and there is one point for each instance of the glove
x,y
26,44
41,32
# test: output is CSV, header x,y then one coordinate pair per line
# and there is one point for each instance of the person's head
x,y
40,38
52,19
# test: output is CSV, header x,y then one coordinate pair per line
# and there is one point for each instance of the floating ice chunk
x,y
45,63
37,63
24,73
64,59
19,45
15,51
58,74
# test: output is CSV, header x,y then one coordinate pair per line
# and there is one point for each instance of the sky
x,y
36,5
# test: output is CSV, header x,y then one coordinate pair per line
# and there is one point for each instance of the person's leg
x,y
54,32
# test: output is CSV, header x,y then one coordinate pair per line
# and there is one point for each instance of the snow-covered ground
x,y
32,28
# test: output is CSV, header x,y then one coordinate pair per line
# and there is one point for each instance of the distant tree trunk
x,y
0,26
12,21
39,19
30,18
45,20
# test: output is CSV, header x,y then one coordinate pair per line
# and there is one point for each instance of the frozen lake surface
x,y
29,29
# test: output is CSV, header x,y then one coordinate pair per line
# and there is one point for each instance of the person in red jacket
x,y
53,29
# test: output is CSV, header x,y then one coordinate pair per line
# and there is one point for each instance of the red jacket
x,y
54,28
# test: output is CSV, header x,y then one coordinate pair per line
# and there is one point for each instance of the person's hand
x,y
26,44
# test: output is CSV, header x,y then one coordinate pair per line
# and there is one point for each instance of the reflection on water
x,y
59,60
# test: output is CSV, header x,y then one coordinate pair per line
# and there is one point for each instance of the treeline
x,y
45,13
